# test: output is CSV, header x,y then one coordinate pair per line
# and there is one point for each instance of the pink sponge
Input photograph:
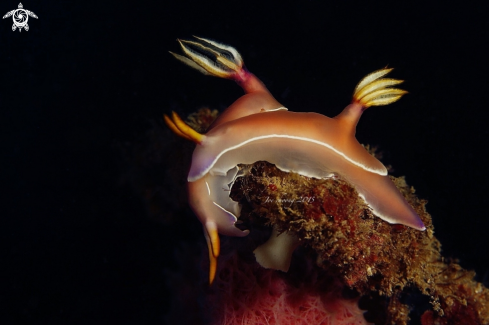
x,y
245,294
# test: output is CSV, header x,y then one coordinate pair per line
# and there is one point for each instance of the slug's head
x,y
212,58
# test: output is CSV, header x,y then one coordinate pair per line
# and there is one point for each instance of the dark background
x,y
90,78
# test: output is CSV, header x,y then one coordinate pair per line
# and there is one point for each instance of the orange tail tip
x,y
211,58
372,91
180,128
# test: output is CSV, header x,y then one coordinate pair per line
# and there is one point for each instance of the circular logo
x,y
20,17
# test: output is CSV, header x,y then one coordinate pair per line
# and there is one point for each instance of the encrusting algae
x,y
354,249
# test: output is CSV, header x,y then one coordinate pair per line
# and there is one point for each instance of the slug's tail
x,y
373,90
212,58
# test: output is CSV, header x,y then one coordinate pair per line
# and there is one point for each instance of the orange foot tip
x,y
180,128
213,244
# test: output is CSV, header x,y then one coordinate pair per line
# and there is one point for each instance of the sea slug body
x,y
258,128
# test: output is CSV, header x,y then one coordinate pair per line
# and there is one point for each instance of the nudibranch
x,y
256,127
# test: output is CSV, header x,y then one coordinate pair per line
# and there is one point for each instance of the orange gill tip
x,y
213,244
372,91
180,128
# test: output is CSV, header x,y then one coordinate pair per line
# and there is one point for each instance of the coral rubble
x,y
363,251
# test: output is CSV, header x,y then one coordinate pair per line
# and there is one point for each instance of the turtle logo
x,y
20,17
